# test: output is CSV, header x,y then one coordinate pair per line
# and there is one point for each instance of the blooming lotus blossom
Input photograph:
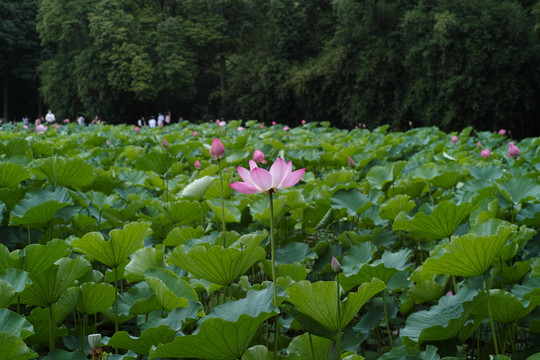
x,y
286,128
217,121
240,128
258,156
259,180
195,134
107,143
455,139
485,153
303,122
335,265
351,162
502,132
217,150
57,127
197,164
25,126
222,123
261,126
137,129
40,129
165,143
66,121
274,123
449,293
513,150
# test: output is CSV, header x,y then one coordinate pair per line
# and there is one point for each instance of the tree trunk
x,y
5,102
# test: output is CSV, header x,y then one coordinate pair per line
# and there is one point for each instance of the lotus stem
x,y
338,337
116,299
387,322
222,200
311,345
493,332
51,328
274,276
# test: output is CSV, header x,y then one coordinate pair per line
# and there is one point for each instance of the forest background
x,y
449,63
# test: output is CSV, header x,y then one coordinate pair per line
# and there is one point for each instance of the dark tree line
x,y
450,63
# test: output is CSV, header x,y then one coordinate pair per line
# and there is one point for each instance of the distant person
x,y
168,118
25,120
161,120
152,122
81,120
95,120
50,118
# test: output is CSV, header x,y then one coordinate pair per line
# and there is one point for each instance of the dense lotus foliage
x,y
415,245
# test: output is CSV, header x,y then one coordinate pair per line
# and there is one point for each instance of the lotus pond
x,y
124,243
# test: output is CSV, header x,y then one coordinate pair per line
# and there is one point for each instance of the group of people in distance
x,y
153,122
50,118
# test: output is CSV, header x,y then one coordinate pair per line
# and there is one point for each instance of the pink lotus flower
x,y
335,265
137,129
195,134
351,162
274,123
222,123
217,150
303,122
107,143
502,132
258,156
57,127
364,126
40,129
258,180
479,145
25,126
261,126
197,164
165,143
286,128
410,123
449,293
513,150
66,121
485,153
217,121
455,139
240,128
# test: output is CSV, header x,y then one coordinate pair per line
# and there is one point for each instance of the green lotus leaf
x,y
16,147
468,255
447,179
380,177
71,172
301,345
395,205
17,278
352,200
530,215
141,345
40,319
179,236
318,300
441,223
295,252
426,171
197,189
13,347
295,271
520,189
410,353
101,201
338,176
39,207
95,297
7,294
176,319
139,299
122,244
356,257
513,273
447,320
490,172
58,354
425,291
11,175
36,258
15,324
309,324
218,264
171,291
224,334
283,203
232,214
534,357
260,352
158,162
365,274
505,307
181,212
142,260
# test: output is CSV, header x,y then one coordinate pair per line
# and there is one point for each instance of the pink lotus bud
x,y
286,128
356,126
449,293
479,145
137,129
303,122
335,265
107,143
351,162
217,121
364,126
57,127
502,132
222,123
195,134
485,153
410,123
455,139
197,164
165,143
25,126
513,150
66,121
258,156
274,123
240,128
261,126
217,150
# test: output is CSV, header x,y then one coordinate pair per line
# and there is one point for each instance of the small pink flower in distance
x,y
303,122
513,150
66,121
217,121
217,150
25,126
259,180
286,128
40,129
197,164
335,265
479,145
258,156
107,143
137,129
222,123
274,123
410,123
485,153
449,293
165,143
195,134
57,127
455,139
502,132
364,126
240,128
261,126
356,126
351,162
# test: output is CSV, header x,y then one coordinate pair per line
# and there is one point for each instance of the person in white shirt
x,y
80,120
50,118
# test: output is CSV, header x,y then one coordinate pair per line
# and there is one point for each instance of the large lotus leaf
x,y
7,294
176,319
139,299
441,223
425,291
36,258
100,200
179,236
295,252
395,205
17,278
58,354
260,352
520,189
40,319
284,203
16,147
530,215
426,171
309,324
218,264
468,255
48,286
224,334
318,300
181,212
170,290
356,257
295,271
141,345
513,273
6,261
158,162
12,174
39,207
15,324
352,200
71,172
142,260
411,353
13,347
197,189
447,320
505,307
301,345
491,172
380,176
231,212
113,252
365,274
447,179
95,297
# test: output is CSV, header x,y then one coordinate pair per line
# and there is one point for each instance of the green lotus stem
x,y
512,338
311,345
494,333
338,337
387,322
222,201
454,282
274,276
51,328
29,237
116,299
